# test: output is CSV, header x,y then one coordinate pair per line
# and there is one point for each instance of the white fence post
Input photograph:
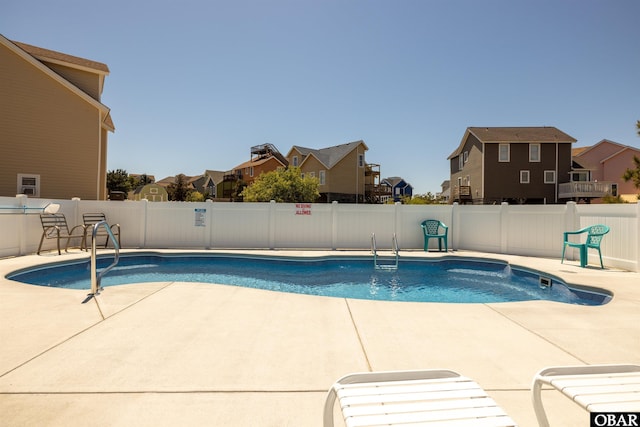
x,y
21,201
454,227
504,227
272,224
209,223
334,225
571,223
144,220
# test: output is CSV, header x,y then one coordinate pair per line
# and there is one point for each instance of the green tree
x,y
179,189
283,186
633,174
118,180
195,196
421,199
137,181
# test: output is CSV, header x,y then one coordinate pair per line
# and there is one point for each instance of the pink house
x,y
607,161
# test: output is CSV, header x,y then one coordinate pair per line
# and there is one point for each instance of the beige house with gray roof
x,y
340,170
53,126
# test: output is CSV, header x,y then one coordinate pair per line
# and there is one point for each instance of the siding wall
x,y
46,130
529,230
88,82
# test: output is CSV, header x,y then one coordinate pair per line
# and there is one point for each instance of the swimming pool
x,y
417,280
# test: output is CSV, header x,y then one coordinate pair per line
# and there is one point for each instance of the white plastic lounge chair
x,y
597,388
438,396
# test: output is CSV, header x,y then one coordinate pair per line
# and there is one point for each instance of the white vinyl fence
x,y
533,230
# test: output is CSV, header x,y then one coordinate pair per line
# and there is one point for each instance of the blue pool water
x,y
460,281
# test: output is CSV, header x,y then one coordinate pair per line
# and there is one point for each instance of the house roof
x,y
256,162
514,135
216,176
62,58
621,149
578,150
329,156
25,52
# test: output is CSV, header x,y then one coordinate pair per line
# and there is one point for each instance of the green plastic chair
x,y
595,234
434,229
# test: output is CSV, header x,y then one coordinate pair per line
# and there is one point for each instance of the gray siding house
x,y
518,165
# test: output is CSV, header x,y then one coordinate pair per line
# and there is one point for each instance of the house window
x,y
468,180
614,190
466,156
503,153
579,176
549,177
524,177
295,160
322,177
251,171
534,152
29,185
361,160
460,163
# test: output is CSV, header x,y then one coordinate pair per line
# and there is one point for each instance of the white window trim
x,y
32,190
295,160
460,163
525,177
500,159
552,174
466,157
322,177
531,159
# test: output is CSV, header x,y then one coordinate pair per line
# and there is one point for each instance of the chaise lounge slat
x,y
399,398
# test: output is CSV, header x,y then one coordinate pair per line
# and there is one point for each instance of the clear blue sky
x,y
195,83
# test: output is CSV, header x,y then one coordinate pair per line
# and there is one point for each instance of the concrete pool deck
x,y
186,354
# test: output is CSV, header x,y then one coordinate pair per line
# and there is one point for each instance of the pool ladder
x,y
95,277
374,251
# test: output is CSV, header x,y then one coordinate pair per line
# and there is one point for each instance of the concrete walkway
x,y
185,354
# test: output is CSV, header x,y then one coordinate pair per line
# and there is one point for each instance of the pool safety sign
x,y
200,217
303,208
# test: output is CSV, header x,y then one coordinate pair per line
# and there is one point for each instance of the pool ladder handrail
x,y
96,279
394,248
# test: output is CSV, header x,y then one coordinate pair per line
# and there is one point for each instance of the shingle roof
x,y
331,155
45,54
520,134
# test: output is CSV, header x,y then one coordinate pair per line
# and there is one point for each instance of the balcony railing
x,y
590,189
461,193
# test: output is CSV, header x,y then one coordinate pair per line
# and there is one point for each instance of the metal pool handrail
x,y
97,278
394,248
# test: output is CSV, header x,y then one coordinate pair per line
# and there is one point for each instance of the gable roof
x,y
621,148
216,176
527,134
258,161
33,60
62,58
329,156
